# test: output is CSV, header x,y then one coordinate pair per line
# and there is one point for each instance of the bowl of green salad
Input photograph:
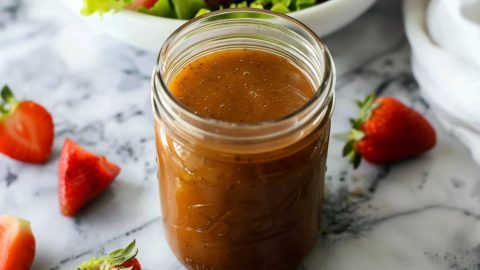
x,y
146,24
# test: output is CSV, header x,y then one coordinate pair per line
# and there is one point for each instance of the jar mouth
x,y
324,89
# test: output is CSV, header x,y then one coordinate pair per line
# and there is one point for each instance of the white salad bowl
x,y
149,32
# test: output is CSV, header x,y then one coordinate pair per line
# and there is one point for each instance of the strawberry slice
x,y
17,244
121,259
83,176
26,129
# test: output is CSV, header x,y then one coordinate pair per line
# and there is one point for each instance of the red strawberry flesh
x,y
397,133
83,176
17,244
133,263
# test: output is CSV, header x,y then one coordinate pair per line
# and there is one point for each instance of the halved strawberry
x,y
17,244
26,129
121,259
83,176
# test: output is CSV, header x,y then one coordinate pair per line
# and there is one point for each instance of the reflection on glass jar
x,y
242,195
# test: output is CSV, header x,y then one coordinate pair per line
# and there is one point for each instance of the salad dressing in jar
x,y
242,102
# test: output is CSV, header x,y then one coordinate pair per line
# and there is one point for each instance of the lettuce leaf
x,y
257,4
186,9
303,4
162,8
285,3
103,6
243,4
281,8
202,11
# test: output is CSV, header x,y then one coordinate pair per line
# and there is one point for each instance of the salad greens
x,y
161,8
103,6
187,9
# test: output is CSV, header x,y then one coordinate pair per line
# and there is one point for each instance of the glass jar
x,y
242,196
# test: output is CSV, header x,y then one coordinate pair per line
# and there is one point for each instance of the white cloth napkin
x,y
445,40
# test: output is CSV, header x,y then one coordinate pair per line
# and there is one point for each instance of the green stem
x,y
357,135
343,136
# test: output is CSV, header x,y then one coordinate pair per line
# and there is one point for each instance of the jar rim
x,y
323,93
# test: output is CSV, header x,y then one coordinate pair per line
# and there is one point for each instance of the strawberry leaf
x,y
121,256
356,135
367,106
9,102
112,261
359,103
348,148
8,96
357,158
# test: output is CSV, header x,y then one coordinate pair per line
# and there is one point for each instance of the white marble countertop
x,y
420,214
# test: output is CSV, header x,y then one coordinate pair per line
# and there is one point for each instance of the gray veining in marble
x,y
419,214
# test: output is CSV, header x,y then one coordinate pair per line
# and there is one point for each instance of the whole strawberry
x,y
387,131
121,259
26,129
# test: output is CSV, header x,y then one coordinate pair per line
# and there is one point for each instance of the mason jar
x,y
242,195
